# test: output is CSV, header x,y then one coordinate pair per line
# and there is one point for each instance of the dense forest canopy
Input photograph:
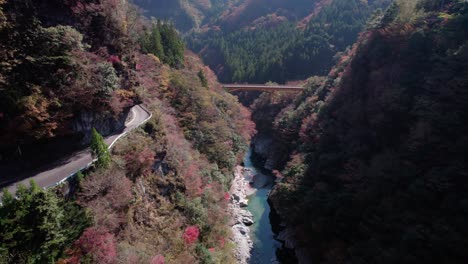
x,y
377,166
370,158
161,194
276,48
265,40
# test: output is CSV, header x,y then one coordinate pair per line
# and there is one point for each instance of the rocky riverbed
x,y
241,218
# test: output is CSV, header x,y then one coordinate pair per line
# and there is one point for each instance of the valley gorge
x,y
366,164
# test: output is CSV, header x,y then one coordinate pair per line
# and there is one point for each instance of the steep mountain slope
x,y
63,71
260,41
377,172
162,196
185,14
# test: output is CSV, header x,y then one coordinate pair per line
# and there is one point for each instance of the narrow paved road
x,y
81,159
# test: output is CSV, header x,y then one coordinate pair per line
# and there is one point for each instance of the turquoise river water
x,y
264,243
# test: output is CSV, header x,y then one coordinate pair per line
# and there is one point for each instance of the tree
x,y
173,45
37,226
106,80
94,245
156,43
139,162
191,234
202,77
164,42
151,42
158,259
99,150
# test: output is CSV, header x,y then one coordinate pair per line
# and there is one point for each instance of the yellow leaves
x,y
35,106
2,15
446,16
156,59
409,11
36,118
124,26
165,79
125,94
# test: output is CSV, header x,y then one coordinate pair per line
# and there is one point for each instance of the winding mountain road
x,y
57,174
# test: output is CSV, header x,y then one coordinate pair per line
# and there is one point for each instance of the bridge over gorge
x,y
262,88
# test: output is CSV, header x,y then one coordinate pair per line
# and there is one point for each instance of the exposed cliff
x,y
376,170
164,196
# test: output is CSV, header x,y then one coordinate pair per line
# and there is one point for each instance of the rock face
x,y
240,217
85,121
287,234
271,153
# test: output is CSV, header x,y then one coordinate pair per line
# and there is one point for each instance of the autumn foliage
x,y
372,160
158,259
191,234
95,245
70,65
140,162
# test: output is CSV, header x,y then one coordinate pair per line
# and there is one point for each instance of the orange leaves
x,y
121,99
139,162
36,119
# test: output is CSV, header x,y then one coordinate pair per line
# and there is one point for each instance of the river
x,y
264,243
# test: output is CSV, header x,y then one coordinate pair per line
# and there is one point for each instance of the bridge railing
x,y
261,87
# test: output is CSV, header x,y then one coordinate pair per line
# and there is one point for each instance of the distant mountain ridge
x,y
260,41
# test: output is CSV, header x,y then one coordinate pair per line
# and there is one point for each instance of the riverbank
x,y
241,218
287,248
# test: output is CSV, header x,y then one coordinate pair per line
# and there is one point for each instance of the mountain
x,y
70,71
185,14
260,41
265,40
376,167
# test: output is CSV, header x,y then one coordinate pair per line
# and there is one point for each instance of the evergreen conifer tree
x,y
99,150
203,80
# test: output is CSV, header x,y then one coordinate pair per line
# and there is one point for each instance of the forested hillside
x,y
67,66
280,41
377,166
160,196
185,14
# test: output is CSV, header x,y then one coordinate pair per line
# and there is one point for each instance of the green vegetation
x,y
160,196
162,40
185,14
38,226
99,150
282,52
202,77
376,172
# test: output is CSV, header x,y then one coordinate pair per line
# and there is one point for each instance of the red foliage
x,y
158,259
192,180
247,127
97,244
222,242
107,194
227,196
212,250
139,162
191,234
114,59
277,174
